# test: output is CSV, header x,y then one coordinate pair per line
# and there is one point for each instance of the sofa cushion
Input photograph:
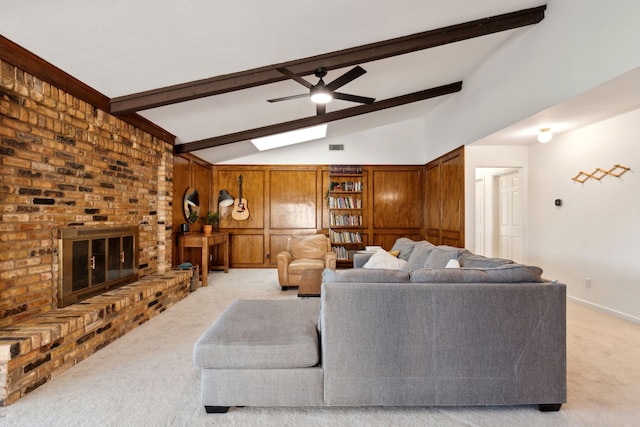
x,y
262,334
383,259
404,246
468,259
419,255
300,265
508,273
439,256
363,275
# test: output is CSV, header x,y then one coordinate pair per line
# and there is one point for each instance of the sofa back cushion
x,y
440,256
508,273
404,246
419,255
312,246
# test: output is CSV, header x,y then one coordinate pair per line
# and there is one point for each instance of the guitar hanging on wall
x,y
240,210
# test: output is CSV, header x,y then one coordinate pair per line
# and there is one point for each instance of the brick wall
x,y
64,162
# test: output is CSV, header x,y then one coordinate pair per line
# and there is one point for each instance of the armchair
x,y
304,252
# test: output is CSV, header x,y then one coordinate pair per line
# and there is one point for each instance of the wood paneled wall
x,y
399,201
290,199
189,171
444,199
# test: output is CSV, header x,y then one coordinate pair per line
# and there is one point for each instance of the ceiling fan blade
x,y
321,109
286,98
353,98
295,77
350,75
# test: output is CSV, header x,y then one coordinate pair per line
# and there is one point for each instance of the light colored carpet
x,y
147,378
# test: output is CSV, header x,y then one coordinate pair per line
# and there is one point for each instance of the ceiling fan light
x,y
545,135
320,96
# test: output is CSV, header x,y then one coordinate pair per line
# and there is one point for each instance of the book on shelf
x,y
344,203
345,169
344,220
341,253
344,237
345,186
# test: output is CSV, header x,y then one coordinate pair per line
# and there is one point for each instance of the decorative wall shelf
x,y
616,171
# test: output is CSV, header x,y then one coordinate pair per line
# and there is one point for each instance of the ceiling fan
x,y
322,93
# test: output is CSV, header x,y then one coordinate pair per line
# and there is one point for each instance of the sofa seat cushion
x,y
468,259
300,265
508,273
266,334
365,275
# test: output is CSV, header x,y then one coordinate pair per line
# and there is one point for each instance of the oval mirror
x,y
191,205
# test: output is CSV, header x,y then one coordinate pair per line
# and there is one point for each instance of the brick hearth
x,y
34,351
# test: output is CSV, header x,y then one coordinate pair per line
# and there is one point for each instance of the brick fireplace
x,y
67,163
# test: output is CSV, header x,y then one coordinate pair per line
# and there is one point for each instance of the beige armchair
x,y
304,252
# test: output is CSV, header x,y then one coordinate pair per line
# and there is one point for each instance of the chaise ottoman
x,y
261,353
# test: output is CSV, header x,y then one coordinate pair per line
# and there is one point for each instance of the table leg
x,y
205,262
226,256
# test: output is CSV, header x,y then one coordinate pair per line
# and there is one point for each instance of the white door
x,y
480,247
509,219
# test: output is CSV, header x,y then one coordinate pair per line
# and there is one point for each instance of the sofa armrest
x,y
330,259
360,259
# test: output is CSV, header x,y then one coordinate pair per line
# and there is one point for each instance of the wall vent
x,y
336,147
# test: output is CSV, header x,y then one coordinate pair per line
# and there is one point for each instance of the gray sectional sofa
x,y
488,333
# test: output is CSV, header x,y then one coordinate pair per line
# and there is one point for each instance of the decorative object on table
x,y
240,209
210,222
184,228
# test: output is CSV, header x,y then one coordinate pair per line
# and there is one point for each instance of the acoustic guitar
x,y
240,210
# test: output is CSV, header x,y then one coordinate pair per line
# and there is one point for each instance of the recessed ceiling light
x,y
290,138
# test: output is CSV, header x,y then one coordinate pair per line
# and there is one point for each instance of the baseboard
x,y
616,313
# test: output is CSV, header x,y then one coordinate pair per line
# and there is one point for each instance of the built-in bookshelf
x,y
345,195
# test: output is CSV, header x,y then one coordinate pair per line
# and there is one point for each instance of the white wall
x,y
596,232
489,157
579,45
399,143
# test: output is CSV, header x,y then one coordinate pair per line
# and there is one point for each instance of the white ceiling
x,y
121,47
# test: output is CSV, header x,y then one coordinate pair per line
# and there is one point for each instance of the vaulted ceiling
x,y
204,70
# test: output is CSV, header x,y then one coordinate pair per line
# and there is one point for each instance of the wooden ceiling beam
x,y
339,59
316,120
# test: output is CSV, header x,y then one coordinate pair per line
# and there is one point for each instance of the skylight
x,y
290,138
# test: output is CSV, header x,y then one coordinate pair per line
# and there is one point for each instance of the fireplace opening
x,y
94,260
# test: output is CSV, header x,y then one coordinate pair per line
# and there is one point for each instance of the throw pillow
x,y
383,259
453,263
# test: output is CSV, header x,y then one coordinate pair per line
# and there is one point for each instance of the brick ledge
x,y
33,351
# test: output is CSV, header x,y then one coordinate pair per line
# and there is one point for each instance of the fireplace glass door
x,y
95,260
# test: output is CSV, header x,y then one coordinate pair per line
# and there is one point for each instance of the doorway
x,y
499,225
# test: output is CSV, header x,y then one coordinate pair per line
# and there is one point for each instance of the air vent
x,y
336,147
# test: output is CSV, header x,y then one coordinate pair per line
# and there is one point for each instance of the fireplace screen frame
x,y
101,267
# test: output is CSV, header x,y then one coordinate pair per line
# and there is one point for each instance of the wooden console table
x,y
204,241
